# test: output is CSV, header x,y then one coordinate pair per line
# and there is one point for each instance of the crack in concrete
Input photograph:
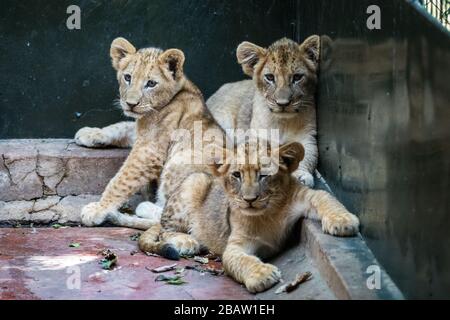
x,y
33,210
62,177
41,178
46,189
8,172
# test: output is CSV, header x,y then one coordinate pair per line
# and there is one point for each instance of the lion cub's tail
x,y
130,221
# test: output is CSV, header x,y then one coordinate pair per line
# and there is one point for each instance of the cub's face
x,y
285,73
148,78
261,185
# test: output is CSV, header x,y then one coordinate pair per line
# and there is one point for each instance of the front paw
x,y
90,137
306,179
341,224
93,214
262,277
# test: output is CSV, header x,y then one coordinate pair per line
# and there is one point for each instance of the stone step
x,y
45,180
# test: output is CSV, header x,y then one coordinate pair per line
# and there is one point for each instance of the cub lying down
x,y
244,214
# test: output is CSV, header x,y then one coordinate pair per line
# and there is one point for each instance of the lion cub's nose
x,y
250,199
132,104
283,102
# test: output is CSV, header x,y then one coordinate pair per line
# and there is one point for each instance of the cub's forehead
x,y
262,165
285,53
144,59
149,55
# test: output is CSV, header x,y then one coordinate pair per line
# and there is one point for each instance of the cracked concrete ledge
x,y
49,180
348,265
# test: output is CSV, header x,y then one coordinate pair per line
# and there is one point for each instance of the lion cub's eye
x,y
127,77
269,77
151,84
297,77
236,174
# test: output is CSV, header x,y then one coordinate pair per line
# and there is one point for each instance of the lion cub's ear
x,y
311,48
120,47
248,55
290,156
172,60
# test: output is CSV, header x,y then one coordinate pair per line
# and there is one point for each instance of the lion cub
x,y
245,214
281,95
154,91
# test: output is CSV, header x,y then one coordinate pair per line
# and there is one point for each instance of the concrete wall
x,y
384,133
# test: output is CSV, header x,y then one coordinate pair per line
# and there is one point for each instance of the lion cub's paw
x,y
306,179
341,224
184,244
263,277
93,214
90,137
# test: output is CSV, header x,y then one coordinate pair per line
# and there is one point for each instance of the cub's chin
x,y
132,114
258,209
283,113
252,212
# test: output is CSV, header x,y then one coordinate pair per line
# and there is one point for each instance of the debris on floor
x,y
179,270
208,269
109,259
151,254
176,279
291,286
164,268
58,226
199,259
74,245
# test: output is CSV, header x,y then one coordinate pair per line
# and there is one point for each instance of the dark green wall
x,y
384,133
54,81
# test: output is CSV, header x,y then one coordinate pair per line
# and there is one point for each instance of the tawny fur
x,y
174,103
245,217
253,103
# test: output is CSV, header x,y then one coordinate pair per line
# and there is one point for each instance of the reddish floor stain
x,y
39,264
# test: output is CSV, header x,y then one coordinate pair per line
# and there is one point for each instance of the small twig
x,y
291,286
164,268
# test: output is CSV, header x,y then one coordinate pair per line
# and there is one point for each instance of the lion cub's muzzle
x,y
253,205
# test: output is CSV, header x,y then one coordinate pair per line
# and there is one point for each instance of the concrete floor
x,y
39,264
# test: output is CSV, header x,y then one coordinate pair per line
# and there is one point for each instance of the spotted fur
x,y
253,103
154,90
244,217
286,104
